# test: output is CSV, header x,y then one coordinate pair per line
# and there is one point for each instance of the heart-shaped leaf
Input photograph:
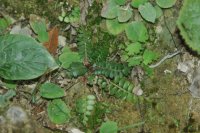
x,y
165,3
58,112
124,14
149,56
109,9
51,91
23,58
77,69
68,57
114,27
136,31
134,48
148,12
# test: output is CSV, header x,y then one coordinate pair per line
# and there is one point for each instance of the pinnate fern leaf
x,y
111,69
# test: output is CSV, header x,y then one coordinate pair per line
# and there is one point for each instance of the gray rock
x,y
16,115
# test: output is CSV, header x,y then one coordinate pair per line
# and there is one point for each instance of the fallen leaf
x,y
52,44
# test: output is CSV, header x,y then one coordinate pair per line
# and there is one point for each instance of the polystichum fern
x,y
84,42
111,69
85,107
119,87
90,50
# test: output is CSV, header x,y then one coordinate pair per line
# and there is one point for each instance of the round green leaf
x,y
109,127
23,58
124,14
159,11
50,90
136,31
109,10
135,60
137,3
134,48
148,12
149,57
58,112
77,69
68,57
189,23
165,3
114,27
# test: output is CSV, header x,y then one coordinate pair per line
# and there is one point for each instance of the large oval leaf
x,y
136,31
189,23
23,58
50,90
148,12
165,3
58,111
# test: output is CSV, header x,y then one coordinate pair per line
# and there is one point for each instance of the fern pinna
x,y
119,87
111,69
84,42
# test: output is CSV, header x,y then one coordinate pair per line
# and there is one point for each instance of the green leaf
x,y
114,27
51,91
149,56
58,112
134,48
4,23
137,3
159,11
148,12
148,70
9,84
109,9
109,127
189,23
77,69
124,14
4,99
68,57
165,3
136,31
39,27
120,2
23,58
134,61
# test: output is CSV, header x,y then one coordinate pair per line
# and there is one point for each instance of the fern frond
x,y
84,42
111,69
85,107
119,87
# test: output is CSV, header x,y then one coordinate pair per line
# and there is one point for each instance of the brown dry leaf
x,y
52,44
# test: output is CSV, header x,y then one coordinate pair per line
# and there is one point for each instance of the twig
x,y
168,56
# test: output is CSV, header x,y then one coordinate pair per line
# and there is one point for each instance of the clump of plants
x,y
103,63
